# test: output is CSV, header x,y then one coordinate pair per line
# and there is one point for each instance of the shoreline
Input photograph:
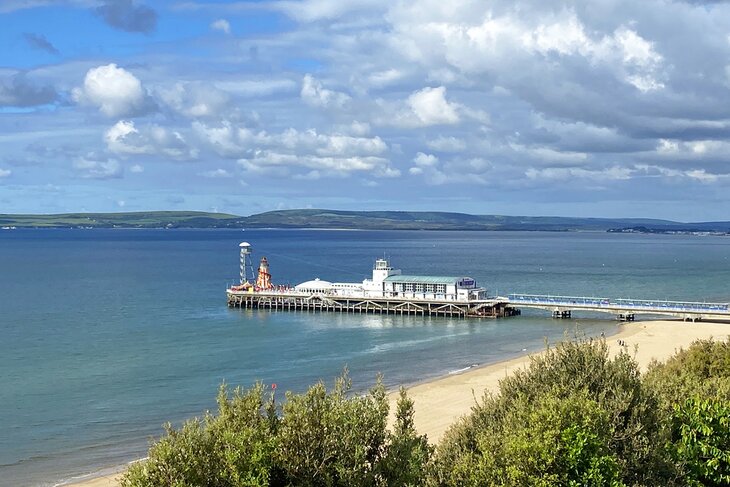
x,y
441,401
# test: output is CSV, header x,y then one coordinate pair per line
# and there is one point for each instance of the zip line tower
x,y
246,264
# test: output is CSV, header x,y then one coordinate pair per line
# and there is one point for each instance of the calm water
x,y
107,334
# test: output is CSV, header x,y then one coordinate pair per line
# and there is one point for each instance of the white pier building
x,y
388,291
388,282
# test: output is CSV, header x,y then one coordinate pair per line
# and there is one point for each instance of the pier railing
x,y
622,307
292,300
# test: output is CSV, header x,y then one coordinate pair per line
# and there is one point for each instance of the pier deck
x,y
296,301
623,309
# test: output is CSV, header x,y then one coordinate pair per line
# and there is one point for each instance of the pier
x,y
387,292
391,292
291,300
622,309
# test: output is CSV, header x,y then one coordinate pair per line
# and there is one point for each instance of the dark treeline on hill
x,y
363,220
575,417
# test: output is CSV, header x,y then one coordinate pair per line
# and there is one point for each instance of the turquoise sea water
x,y
107,334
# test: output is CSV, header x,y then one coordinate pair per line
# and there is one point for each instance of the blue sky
x,y
611,108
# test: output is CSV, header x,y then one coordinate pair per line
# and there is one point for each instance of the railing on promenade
x,y
623,304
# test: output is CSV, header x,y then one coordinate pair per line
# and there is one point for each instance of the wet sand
x,y
440,402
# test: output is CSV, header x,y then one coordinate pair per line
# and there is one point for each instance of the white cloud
x,y
422,159
194,99
257,87
216,174
359,128
314,94
666,146
432,108
565,36
473,170
230,141
316,10
694,174
116,135
90,167
548,155
223,139
342,145
136,168
380,79
221,25
422,108
568,173
124,138
694,150
702,175
475,39
115,91
5,172
309,176
331,154
332,166
446,144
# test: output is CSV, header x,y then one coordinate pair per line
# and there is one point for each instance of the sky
x,y
607,108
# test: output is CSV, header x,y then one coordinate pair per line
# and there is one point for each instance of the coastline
x,y
441,401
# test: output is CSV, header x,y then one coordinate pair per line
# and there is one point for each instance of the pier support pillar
x,y
561,314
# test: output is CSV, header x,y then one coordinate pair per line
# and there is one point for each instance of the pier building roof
x,y
314,285
424,279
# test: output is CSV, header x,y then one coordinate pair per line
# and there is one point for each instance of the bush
x,y
321,439
694,391
701,441
327,439
703,369
408,452
574,417
232,449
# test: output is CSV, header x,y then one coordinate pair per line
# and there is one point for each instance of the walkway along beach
x,y
440,402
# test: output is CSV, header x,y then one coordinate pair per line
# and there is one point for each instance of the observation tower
x,y
246,264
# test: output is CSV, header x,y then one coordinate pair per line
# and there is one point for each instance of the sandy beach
x,y
440,402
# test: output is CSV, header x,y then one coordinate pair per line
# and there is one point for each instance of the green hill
x,y
363,220
425,220
143,219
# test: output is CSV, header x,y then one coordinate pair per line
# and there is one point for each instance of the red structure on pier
x,y
263,281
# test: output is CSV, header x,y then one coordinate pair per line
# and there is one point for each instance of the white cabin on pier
x,y
389,282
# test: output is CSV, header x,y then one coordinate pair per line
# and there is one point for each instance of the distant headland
x,y
362,220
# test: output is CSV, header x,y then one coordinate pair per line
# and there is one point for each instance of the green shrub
x,y
233,448
701,441
694,391
408,453
326,439
703,369
573,417
321,438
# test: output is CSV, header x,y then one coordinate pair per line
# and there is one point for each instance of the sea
x,y
107,334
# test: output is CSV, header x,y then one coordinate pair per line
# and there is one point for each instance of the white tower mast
x,y
245,261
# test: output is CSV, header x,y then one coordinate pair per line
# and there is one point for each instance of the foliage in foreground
x,y
575,417
320,438
694,388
